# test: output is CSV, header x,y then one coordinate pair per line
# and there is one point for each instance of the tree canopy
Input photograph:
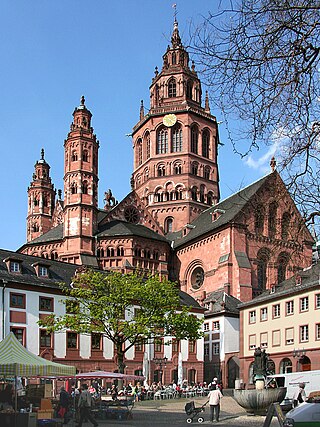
x,y
260,60
125,308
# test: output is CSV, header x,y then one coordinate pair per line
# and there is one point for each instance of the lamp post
x,y
161,362
298,354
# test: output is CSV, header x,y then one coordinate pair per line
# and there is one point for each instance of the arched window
x,y
84,187
172,88
162,141
259,219
189,89
263,257
283,260
73,188
74,156
161,170
206,173
35,228
85,155
194,139
36,202
147,140
205,143
210,198
202,188
110,252
194,168
194,195
177,169
155,255
168,225
120,251
272,219
174,58
176,140
100,253
139,152
285,225
285,366
178,193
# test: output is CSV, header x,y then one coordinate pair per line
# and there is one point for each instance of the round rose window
x,y
131,214
197,278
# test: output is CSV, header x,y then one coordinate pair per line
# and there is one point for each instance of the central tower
x,y
175,144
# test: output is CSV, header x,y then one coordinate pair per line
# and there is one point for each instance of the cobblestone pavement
x,y
158,413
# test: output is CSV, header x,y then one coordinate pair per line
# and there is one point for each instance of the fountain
x,y
256,401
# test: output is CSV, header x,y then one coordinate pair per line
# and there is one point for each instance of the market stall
x,y
16,361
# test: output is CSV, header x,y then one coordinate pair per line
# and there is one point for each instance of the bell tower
x,y
80,186
175,144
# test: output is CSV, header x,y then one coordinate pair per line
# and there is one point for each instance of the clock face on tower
x,y
169,120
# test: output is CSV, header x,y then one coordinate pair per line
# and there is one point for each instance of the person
x,y
84,404
299,395
63,405
214,397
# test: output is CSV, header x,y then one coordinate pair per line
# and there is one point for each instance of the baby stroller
x,y
192,412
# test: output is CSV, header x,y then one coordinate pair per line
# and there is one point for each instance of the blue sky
x,y
52,52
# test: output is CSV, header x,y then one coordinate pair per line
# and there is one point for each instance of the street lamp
x,y
299,354
161,361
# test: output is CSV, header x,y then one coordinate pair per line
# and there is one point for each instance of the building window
x,y
74,156
259,219
192,346
17,300
206,173
194,168
216,325
189,89
194,194
206,326
84,187
289,336
176,140
147,138
262,264
45,338
139,152
168,225
206,350
43,270
72,340
96,341
139,346
285,225
73,188
304,333
15,266
304,304
282,266
264,314
175,346
252,316
205,143
252,342
172,88
216,348
177,169
162,141
45,304
276,310
85,155
264,340
19,334
317,331
289,307
317,301
194,139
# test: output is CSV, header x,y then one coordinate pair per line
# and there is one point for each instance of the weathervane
x,y
175,11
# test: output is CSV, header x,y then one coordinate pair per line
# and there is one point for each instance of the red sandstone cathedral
x,y
172,222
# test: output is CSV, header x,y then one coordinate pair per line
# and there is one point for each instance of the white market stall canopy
x,y
17,360
113,375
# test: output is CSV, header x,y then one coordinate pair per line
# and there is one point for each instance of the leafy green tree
x,y
125,308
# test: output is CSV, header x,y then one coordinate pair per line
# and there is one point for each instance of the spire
x,y
141,110
207,105
273,164
175,38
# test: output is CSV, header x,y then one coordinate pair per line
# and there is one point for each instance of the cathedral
x,y
173,222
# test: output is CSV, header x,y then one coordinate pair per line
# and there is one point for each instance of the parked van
x,y
311,379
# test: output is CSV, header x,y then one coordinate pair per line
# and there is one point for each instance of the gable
x,y
132,210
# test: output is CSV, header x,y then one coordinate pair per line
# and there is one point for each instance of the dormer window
x,y
41,268
43,271
14,267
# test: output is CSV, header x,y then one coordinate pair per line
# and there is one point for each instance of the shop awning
x,y
17,360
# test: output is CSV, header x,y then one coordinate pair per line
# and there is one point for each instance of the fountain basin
x,y
257,401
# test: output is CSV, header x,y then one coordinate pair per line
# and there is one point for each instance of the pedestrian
x,y
299,395
214,397
64,402
85,404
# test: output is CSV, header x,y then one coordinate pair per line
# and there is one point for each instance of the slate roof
x,y
188,301
221,303
231,206
58,271
54,234
309,279
121,228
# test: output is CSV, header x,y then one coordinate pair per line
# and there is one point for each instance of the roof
x,y
221,303
54,234
58,271
188,301
303,281
229,208
119,228
17,360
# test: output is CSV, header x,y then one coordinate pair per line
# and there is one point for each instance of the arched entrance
x,y
285,366
191,376
304,363
233,368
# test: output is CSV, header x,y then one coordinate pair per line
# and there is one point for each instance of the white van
x,y
311,379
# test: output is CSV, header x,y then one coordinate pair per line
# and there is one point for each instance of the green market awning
x,y
17,360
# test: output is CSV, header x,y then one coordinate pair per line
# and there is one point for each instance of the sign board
x,y
274,409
